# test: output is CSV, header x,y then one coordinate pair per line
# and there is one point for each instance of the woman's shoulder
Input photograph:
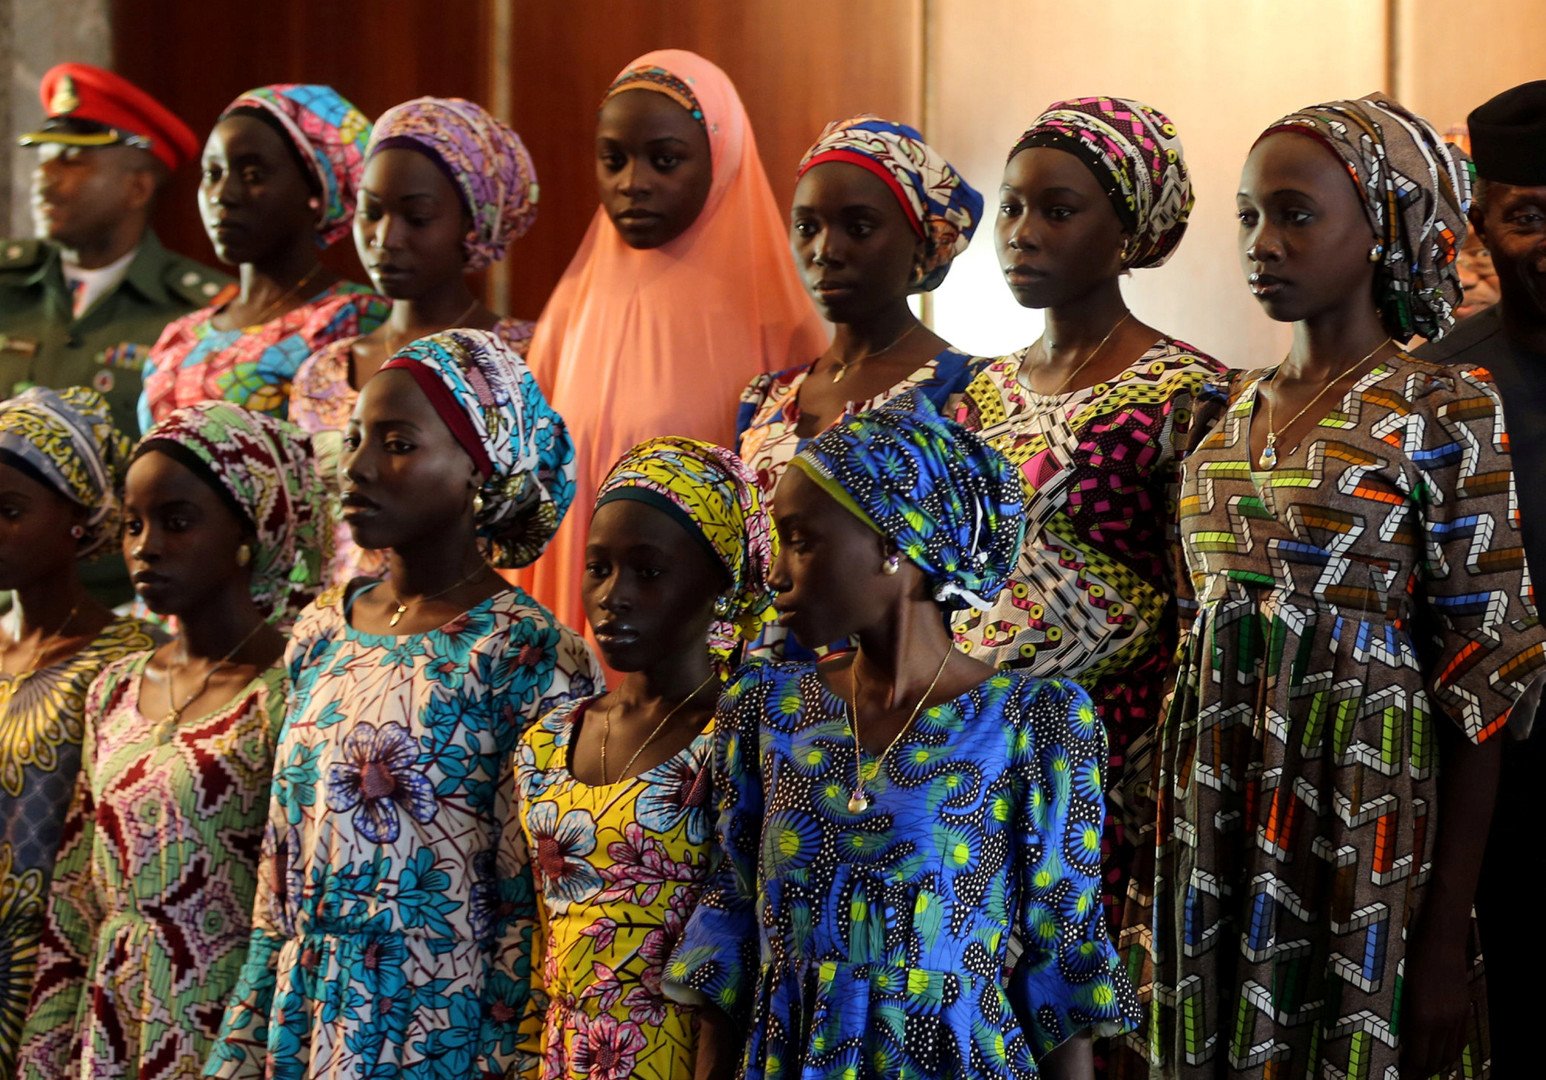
x,y
344,309
755,681
550,735
126,634
516,333
116,674
322,370
773,388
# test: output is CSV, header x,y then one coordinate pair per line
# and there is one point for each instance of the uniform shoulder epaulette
x,y
21,254
193,281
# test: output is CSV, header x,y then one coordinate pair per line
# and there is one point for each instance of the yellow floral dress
x,y
617,869
40,751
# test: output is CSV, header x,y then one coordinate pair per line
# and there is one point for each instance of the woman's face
x,y
406,478
855,248
1303,231
1057,234
179,537
653,168
35,523
827,579
252,196
649,587
409,224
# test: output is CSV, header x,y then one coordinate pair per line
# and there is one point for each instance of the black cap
x,y
1508,136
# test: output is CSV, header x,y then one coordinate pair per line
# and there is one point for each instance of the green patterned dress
x,y
40,744
151,907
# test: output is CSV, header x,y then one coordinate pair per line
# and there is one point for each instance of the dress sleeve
x,y
752,397
239,1050
1069,979
716,961
50,1044
1487,646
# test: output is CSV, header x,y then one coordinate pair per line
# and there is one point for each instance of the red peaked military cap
x,y
89,106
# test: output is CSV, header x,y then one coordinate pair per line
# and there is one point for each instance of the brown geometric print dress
x,y
1367,590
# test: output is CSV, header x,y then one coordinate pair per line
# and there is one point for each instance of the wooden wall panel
x,y
196,55
796,63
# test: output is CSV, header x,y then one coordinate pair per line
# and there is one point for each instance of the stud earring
x,y
892,564
314,202
1376,253
477,504
77,531
721,606
243,555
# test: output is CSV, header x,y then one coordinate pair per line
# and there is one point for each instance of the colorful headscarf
x,y
951,503
656,78
484,159
940,205
1415,190
489,400
711,493
267,468
1135,155
329,134
67,437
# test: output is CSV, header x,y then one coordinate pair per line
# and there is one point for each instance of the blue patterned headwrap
x,y
940,205
494,408
951,503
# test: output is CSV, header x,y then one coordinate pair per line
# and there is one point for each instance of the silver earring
x,y
1376,253
892,564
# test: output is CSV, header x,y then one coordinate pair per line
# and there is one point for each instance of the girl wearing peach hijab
x,y
681,292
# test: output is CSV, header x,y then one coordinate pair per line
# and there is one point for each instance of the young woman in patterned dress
x,y
151,905
614,788
891,817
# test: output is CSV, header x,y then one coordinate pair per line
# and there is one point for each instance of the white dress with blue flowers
x,y
390,933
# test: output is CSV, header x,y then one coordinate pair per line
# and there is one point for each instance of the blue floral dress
x,y
884,935
391,927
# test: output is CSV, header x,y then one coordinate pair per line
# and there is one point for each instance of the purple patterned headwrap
x,y
328,133
1135,155
484,159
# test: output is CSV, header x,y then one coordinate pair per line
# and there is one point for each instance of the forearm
x,y
1072,1059
1467,794
720,1044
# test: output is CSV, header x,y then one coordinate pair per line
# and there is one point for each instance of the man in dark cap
x,y
82,304
1508,146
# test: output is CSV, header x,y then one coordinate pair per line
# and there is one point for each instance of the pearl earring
x,y
77,531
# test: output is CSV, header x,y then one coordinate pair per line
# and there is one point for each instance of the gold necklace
x,y
175,714
606,731
37,650
859,801
402,608
1269,453
1074,374
840,367
393,345
272,309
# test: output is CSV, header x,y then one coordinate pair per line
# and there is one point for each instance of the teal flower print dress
x,y
877,943
391,931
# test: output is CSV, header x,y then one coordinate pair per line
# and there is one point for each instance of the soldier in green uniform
x,y
83,304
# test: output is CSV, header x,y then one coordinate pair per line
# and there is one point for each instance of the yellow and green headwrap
x,y
711,493
66,438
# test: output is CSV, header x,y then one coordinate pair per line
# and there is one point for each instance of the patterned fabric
x,y
951,503
322,399
488,398
716,497
485,159
1136,157
617,869
67,436
1092,596
252,366
656,78
151,903
941,206
41,721
1415,188
268,468
876,943
392,923
767,434
329,134
1366,591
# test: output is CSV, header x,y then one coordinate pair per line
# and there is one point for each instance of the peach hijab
x,y
635,344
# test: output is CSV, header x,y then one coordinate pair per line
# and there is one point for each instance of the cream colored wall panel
x,y
1449,60
1221,69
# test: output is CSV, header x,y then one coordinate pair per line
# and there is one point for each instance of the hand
x,y
719,1045
1435,1002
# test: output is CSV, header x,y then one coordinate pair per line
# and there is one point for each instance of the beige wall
x,y
1450,57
